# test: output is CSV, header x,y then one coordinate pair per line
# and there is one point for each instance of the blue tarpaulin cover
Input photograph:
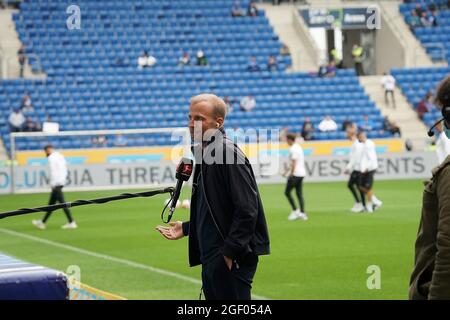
x,y
20,280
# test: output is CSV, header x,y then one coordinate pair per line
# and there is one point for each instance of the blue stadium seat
x,y
86,89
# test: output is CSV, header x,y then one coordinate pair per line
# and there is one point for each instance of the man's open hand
x,y
173,232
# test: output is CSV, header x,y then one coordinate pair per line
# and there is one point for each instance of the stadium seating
x,y
416,82
436,40
86,89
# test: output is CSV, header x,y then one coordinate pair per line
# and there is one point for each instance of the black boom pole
x,y
86,202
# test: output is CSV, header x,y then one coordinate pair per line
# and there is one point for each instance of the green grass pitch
x,y
325,257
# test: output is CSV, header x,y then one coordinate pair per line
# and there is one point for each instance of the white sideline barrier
x,y
408,165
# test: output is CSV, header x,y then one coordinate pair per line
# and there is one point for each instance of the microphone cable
x,y
169,217
86,202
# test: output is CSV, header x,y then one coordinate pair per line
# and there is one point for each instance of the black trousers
x,y
359,68
353,185
221,283
389,92
55,197
297,183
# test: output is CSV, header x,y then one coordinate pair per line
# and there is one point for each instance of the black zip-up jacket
x,y
233,200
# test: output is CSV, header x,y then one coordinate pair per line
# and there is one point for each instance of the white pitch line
x,y
109,258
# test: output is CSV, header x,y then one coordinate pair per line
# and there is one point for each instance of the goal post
x,y
113,151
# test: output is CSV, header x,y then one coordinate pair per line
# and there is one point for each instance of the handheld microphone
x,y
183,173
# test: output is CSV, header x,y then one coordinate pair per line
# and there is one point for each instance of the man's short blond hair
x,y
219,106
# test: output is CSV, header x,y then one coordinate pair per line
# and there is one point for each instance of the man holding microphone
x,y
227,228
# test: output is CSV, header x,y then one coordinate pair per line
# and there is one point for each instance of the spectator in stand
x,y
120,141
425,20
31,126
252,10
22,59
26,100
236,10
366,124
272,64
248,103
419,10
433,19
37,125
145,61
142,60
185,60
229,103
99,142
201,58
331,69
388,83
307,130
322,72
422,109
27,108
327,124
391,127
284,51
253,65
16,120
414,20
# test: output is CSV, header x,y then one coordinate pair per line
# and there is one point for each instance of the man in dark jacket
x,y
227,228
430,278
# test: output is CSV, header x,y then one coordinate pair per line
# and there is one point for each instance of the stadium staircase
x,y
416,82
416,55
10,44
403,115
303,51
436,40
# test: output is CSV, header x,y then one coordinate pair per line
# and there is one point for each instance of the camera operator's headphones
x,y
445,117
